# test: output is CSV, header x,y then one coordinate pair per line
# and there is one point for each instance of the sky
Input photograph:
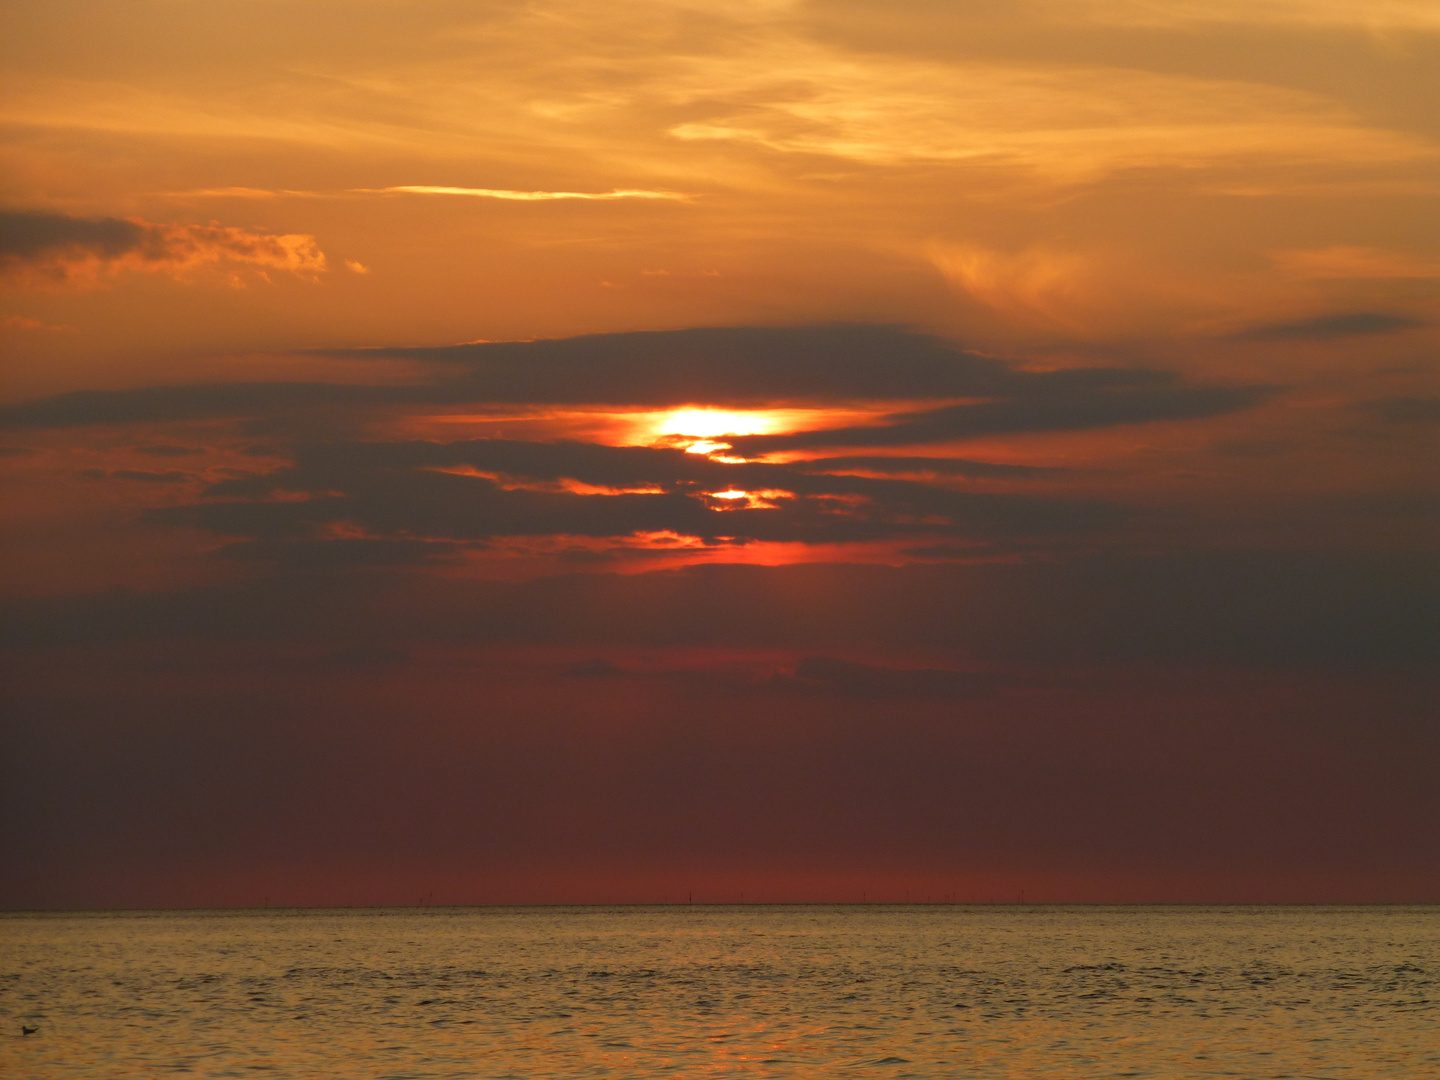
x,y
768,450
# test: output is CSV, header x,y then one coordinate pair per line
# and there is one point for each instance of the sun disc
x,y
706,423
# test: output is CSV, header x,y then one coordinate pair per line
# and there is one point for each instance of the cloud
x,y
413,490
727,366
29,235
941,466
463,508
1073,400
160,403
411,502
244,193
24,322
140,475
1054,285
1355,262
527,196
836,362
996,108
144,476
713,365
38,248
1407,410
1103,290
1331,327
1364,14
503,194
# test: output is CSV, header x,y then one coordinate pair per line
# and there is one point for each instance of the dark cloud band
x,y
27,235
731,366
1284,608
409,489
1332,327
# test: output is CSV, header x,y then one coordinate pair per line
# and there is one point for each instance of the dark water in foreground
x,y
725,992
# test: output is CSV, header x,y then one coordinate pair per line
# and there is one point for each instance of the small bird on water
x,y
28,1030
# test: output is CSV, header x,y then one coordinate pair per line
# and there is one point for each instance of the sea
x,y
858,991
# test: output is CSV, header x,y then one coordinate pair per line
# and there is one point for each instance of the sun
x,y
702,429
707,423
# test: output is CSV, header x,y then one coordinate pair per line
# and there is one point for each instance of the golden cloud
x,y
56,250
526,196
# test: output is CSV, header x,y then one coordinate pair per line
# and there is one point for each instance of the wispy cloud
x,y
1069,123
1378,14
1330,327
24,322
1036,282
1356,262
525,196
508,194
245,193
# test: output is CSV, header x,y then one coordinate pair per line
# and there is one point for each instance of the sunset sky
x,y
526,451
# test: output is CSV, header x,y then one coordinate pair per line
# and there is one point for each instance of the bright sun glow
x,y
706,446
700,429
704,423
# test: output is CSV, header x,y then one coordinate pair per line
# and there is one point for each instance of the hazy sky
x,y
583,451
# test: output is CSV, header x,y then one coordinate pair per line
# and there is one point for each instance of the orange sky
x,y
1052,359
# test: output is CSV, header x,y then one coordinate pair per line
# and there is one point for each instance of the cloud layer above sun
x,y
1024,175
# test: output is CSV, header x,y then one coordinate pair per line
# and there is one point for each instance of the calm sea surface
x,y
1033,992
